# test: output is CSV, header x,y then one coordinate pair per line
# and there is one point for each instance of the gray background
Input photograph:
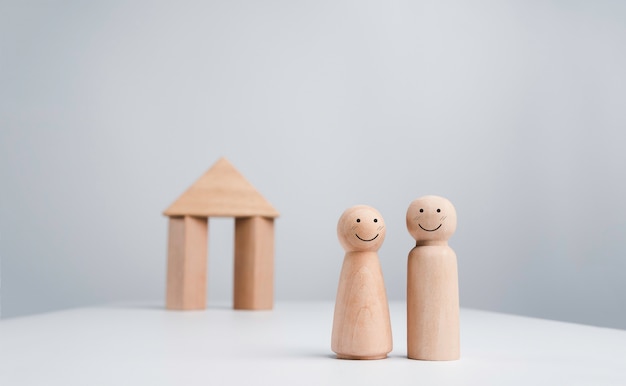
x,y
514,110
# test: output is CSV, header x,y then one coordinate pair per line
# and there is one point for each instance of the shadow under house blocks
x,y
221,192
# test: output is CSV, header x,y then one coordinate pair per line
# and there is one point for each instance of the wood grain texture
x,y
433,326
254,263
361,323
221,192
187,263
433,304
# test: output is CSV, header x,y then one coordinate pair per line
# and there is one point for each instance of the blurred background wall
x,y
514,110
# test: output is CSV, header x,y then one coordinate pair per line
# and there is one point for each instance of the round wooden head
x,y
361,228
431,218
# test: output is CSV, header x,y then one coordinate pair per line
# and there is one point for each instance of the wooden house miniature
x,y
221,192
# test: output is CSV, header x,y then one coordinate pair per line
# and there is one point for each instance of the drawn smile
x,y
427,230
369,239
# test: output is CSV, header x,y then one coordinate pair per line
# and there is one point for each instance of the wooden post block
x,y
254,263
432,282
187,263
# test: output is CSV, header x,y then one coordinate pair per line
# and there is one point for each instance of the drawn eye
x,y
421,210
358,220
375,220
438,210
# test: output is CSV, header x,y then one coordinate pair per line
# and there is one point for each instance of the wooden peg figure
x,y
361,324
432,285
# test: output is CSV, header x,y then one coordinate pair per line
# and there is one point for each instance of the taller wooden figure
x,y
432,285
361,325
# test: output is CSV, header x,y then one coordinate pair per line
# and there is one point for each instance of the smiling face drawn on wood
x,y
361,228
431,218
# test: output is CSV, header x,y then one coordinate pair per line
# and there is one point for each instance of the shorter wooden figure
x,y
361,324
432,283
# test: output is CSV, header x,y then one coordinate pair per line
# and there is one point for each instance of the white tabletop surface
x,y
147,345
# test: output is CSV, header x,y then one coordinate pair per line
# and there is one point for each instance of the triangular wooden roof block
x,y
221,192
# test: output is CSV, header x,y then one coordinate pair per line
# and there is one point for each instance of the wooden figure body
x,y
433,331
361,324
